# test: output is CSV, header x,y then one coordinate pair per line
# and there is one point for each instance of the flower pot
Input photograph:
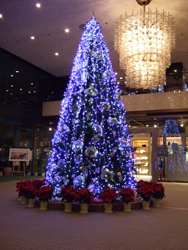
x,y
1,173
43,205
84,208
35,173
68,207
28,173
31,202
156,202
23,199
43,174
145,205
126,207
7,170
108,208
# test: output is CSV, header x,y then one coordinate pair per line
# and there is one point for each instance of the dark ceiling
x,y
21,19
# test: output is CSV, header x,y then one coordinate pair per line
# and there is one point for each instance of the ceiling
x,y
22,19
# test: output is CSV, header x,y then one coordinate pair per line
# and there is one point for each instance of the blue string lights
x,y
91,145
176,153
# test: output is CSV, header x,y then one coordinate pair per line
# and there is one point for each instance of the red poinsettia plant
x,y
145,192
29,191
68,194
127,194
45,193
109,195
20,187
38,183
84,195
158,190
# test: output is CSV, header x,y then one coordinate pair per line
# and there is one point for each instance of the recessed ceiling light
x,y
20,88
17,71
66,30
11,76
29,92
117,82
32,37
11,86
34,91
31,83
116,73
10,93
56,54
7,90
121,78
38,5
1,15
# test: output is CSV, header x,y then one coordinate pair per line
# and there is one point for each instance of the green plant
x,y
35,168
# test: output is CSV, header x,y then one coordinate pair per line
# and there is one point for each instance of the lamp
x,y
144,41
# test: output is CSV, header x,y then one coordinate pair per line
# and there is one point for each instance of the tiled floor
x,y
163,228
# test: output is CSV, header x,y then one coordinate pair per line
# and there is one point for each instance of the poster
x,y
19,154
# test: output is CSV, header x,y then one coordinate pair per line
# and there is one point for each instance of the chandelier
x,y
144,41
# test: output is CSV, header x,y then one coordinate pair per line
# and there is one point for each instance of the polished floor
x,y
163,228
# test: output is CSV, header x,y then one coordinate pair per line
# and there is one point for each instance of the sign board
x,y
19,154
162,151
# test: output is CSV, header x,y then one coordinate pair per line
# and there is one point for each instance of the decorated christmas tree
x,y
91,145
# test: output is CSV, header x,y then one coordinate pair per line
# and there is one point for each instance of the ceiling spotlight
x,y
66,30
32,37
17,71
38,5
11,86
50,129
31,83
56,54
11,76
147,125
1,15
116,73
155,125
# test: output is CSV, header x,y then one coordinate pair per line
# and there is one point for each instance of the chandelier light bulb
x,y
144,41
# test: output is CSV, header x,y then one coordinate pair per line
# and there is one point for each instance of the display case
x,y
142,156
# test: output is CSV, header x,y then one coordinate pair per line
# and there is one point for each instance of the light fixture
x,y
144,41
56,54
182,122
66,30
32,37
1,15
38,5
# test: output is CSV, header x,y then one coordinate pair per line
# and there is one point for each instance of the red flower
x,y
84,195
45,193
158,190
127,194
68,194
109,195
20,187
145,192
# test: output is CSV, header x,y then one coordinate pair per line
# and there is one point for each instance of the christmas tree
x,y
91,145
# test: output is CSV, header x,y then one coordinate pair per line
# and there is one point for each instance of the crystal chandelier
x,y
144,41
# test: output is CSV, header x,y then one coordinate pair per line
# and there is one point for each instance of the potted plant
x,y
1,171
109,197
44,194
127,195
84,196
145,192
68,195
30,194
28,169
158,193
20,188
42,170
35,170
